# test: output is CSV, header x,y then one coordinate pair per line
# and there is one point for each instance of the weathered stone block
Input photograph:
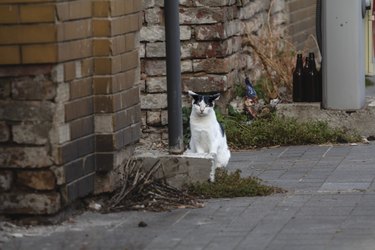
x,y
155,49
179,169
186,66
33,88
206,83
4,132
104,123
60,134
155,67
36,134
216,48
249,10
214,3
218,31
154,3
159,67
39,180
26,110
207,15
153,118
6,179
30,203
5,88
21,157
164,117
219,65
154,15
156,84
154,101
156,33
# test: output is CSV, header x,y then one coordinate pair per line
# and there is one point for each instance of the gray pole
x,y
172,37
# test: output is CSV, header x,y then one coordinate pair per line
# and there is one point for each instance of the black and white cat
x,y
207,134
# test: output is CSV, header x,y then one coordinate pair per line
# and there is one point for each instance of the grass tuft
x,y
229,185
274,130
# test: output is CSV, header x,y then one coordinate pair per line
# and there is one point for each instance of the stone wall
x,y
69,97
212,58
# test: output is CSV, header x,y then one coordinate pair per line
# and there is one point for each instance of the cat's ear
x,y
214,97
192,94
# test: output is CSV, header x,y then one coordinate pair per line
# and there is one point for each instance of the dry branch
x,y
140,190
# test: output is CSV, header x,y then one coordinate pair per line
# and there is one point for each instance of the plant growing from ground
x,y
229,185
273,130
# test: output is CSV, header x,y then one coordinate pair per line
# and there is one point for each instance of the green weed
x,y
229,185
273,130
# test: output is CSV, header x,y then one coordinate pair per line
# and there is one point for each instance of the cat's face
x,y
202,105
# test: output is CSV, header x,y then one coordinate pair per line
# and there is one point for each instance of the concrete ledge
x,y
363,120
178,170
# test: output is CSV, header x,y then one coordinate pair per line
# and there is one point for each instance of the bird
x,y
250,99
250,91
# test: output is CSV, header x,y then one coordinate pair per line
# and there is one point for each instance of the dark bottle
x,y
311,80
298,80
306,90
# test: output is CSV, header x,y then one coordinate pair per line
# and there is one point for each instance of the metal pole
x,y
172,37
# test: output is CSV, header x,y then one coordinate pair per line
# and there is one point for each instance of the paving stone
x,y
315,213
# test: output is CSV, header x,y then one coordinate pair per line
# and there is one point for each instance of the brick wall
x,y
70,112
212,57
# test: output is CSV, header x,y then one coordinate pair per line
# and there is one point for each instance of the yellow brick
x,y
87,67
69,71
101,27
9,14
102,85
137,5
101,47
75,50
73,10
118,7
129,6
118,45
46,53
103,66
75,30
130,41
37,13
120,25
129,60
101,9
10,55
23,34
135,22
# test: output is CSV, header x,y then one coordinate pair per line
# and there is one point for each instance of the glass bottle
x,y
306,90
312,79
298,79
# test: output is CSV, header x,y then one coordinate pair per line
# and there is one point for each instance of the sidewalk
x,y
330,204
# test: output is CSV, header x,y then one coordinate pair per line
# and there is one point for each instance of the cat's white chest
x,y
202,139
203,135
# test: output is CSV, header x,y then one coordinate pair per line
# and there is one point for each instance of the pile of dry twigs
x,y
141,191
